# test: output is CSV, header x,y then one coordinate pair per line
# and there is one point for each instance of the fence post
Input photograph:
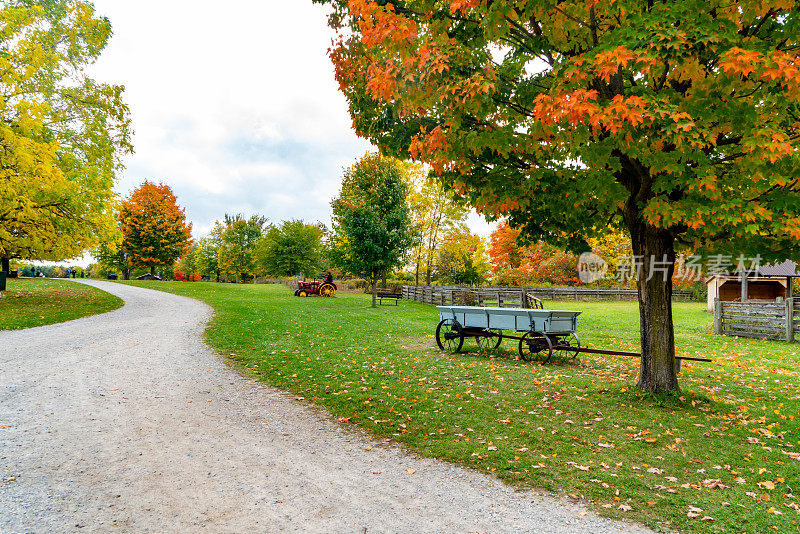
x,y
790,320
717,317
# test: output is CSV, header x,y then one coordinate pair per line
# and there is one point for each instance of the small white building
x,y
768,282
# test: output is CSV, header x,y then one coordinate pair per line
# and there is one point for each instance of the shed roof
x,y
787,268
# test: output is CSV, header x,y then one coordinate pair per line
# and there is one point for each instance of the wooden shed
x,y
769,282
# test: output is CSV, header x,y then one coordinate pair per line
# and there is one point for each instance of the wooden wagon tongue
x,y
544,330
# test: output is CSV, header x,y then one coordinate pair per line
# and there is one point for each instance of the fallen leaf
x,y
411,471
767,484
706,518
625,508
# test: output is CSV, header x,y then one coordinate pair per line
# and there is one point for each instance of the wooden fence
x,y
760,319
514,297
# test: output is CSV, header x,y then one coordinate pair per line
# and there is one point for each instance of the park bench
x,y
390,296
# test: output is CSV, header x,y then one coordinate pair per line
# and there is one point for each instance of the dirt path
x,y
126,421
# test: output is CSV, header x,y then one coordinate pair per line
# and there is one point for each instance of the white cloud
x,y
234,105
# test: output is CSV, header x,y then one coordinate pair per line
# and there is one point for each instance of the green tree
x,y
207,259
112,257
462,259
154,228
292,248
371,220
62,134
675,120
237,249
189,263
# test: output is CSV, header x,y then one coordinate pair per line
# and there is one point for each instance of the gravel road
x,y
128,422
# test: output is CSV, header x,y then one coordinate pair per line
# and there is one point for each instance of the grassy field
x,y
32,302
723,457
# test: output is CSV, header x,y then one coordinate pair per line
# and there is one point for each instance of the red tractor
x,y
315,287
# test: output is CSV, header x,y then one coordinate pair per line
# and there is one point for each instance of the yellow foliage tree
x,y
61,133
433,214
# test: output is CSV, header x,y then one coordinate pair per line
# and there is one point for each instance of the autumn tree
x,y
239,236
154,229
292,248
677,121
433,214
515,262
462,259
371,226
189,264
506,254
62,134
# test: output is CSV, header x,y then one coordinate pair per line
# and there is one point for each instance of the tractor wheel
x,y
327,290
302,293
296,292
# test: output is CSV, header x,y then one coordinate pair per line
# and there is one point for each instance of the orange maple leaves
x,y
381,24
154,228
777,66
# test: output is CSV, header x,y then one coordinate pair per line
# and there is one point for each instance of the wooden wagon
x,y
544,332
549,332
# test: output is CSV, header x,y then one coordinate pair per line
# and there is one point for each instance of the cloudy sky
x,y
234,106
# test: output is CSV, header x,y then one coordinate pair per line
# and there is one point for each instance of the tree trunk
x,y
374,291
416,277
152,270
126,274
6,265
383,279
654,253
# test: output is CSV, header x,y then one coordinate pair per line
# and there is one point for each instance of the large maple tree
x,y
677,120
154,228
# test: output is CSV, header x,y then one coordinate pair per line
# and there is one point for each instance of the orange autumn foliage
x,y
154,229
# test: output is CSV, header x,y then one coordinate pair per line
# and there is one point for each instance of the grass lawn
x,y
32,302
724,457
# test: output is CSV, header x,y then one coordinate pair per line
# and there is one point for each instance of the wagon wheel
x,y
327,290
559,350
534,343
490,342
449,335
302,293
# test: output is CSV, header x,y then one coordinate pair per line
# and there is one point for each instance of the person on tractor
x,y
329,278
